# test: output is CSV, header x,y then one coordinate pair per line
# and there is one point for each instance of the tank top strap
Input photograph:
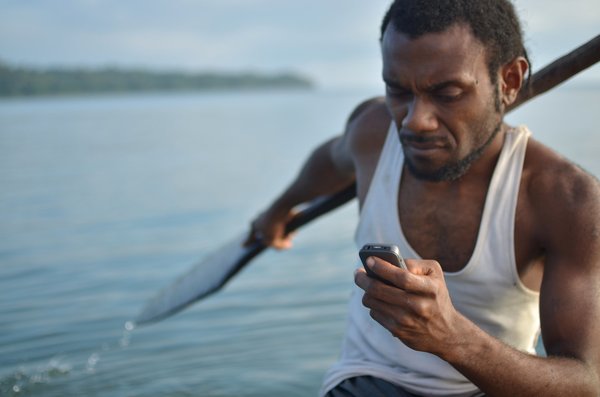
x,y
382,194
497,238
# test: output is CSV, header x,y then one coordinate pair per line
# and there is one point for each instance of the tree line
x,y
22,81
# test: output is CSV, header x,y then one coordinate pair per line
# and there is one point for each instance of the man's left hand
x,y
415,307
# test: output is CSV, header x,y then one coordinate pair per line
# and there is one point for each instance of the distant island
x,y
21,81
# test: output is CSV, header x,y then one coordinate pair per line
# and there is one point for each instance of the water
x,y
104,200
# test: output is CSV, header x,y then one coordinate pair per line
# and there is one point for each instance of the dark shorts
x,y
369,386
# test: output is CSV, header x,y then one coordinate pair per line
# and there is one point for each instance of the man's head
x,y
493,22
450,70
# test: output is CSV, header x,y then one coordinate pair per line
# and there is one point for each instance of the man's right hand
x,y
269,229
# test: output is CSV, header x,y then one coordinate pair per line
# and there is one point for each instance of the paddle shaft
x,y
549,77
560,70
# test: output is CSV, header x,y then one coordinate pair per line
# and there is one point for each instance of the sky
x,y
334,42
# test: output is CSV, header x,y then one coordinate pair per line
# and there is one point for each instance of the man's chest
x,y
443,227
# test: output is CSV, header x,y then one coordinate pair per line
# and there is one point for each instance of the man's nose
x,y
420,116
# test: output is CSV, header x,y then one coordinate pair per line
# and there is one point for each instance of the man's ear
x,y
512,77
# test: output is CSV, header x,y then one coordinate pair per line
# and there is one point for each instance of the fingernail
x,y
370,261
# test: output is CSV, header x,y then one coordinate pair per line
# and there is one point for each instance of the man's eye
x,y
449,94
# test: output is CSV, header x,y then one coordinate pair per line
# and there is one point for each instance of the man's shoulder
x,y
546,171
368,125
560,194
371,107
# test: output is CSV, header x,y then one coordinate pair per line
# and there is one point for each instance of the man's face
x,y
439,93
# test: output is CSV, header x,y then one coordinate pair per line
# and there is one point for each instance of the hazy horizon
x,y
334,43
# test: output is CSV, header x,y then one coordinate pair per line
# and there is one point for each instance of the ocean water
x,y
106,199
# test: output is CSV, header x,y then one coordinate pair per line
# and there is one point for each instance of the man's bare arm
x,y
566,202
330,168
565,205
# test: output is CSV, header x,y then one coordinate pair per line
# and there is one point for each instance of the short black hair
x,y
493,22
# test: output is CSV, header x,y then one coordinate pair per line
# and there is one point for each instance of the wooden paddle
x,y
212,273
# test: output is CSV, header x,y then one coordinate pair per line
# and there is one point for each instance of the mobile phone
x,y
388,252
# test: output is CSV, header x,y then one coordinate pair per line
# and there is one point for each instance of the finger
x,y
361,279
393,317
282,243
384,320
384,270
377,288
416,280
402,326
379,291
279,240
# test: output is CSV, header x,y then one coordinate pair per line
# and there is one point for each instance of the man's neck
x,y
480,172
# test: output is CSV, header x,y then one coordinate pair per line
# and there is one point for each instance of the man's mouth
x,y
423,144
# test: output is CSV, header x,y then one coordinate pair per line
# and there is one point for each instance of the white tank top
x,y
487,290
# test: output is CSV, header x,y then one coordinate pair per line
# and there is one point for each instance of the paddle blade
x,y
203,279
209,275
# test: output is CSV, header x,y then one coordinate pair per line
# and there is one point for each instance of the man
x,y
502,233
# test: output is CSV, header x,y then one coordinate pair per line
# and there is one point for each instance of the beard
x,y
453,171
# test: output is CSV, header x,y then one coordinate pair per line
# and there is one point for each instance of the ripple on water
x,y
25,379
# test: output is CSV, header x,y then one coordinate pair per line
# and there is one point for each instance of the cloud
x,y
328,39
550,17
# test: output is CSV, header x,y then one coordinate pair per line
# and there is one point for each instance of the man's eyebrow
x,y
431,88
444,84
